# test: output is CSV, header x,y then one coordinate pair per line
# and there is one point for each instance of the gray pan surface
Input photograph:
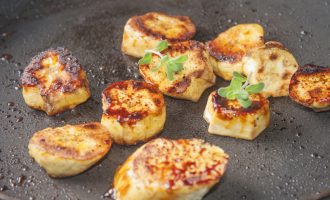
x,y
289,160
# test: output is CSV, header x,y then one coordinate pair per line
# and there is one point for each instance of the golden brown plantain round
x,y
310,86
146,31
228,49
71,149
273,65
170,169
54,81
190,83
229,118
133,111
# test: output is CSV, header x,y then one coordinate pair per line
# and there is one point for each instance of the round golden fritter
x,y
310,86
228,49
190,83
133,111
146,31
170,169
71,149
54,81
229,118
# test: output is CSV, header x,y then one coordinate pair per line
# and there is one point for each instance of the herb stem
x,y
247,81
154,52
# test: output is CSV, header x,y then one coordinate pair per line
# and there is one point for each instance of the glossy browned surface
x,y
176,49
228,109
67,63
174,164
138,22
115,108
306,77
53,142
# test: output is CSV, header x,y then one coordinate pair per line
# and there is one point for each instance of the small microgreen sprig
x,y
240,92
172,65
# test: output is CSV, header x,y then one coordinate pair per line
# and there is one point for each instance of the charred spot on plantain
x,y
223,54
286,75
274,44
180,87
182,47
90,126
311,69
273,56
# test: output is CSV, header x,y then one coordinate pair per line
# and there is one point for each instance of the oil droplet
x,y
283,128
21,179
299,134
109,194
19,119
3,188
243,196
10,104
5,34
6,57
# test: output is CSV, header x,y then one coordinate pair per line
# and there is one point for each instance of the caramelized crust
x,y
130,101
229,109
78,142
69,73
164,27
310,86
177,163
170,169
231,45
229,118
197,73
54,81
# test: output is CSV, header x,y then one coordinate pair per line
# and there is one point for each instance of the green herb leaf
x,y
223,91
175,67
161,46
237,90
239,77
146,59
172,65
245,103
169,73
256,88
231,95
242,94
235,84
161,62
179,59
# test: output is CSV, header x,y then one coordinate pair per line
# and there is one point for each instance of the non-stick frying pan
x,y
289,160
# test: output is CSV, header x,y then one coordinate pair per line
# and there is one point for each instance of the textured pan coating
x,y
93,30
